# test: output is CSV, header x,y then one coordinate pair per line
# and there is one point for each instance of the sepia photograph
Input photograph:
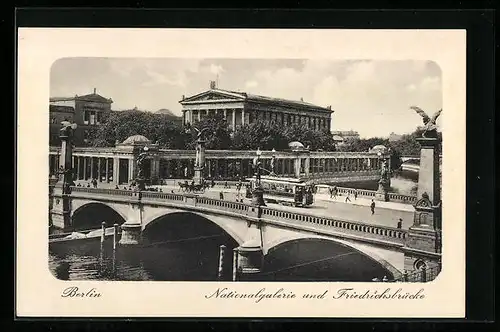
x,y
241,173
226,169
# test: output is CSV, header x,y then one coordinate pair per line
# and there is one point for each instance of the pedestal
x,y
250,260
60,213
382,193
198,175
258,197
423,243
131,234
141,184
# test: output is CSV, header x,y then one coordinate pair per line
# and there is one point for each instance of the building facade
x,y
240,108
86,111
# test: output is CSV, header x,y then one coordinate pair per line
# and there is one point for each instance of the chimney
x,y
94,90
301,99
212,84
183,97
329,107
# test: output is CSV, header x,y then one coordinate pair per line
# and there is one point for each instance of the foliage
x,y
269,135
217,135
118,126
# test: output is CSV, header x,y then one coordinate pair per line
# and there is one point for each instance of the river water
x,y
190,252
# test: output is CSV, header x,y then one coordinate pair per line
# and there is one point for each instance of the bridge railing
x,y
393,197
153,195
375,231
423,275
105,191
236,207
406,199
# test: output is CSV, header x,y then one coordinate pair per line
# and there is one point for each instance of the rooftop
x,y
257,98
90,97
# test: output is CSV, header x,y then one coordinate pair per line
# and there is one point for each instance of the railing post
x,y
424,274
103,228
405,275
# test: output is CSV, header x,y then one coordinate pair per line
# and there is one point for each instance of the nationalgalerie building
x,y
240,108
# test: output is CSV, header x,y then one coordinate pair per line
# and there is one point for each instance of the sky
x,y
371,97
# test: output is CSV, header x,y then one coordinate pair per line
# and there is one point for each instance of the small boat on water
x,y
81,235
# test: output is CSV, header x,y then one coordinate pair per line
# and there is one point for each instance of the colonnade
x,y
241,116
122,169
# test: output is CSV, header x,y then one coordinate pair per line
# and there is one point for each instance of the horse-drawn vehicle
x,y
193,187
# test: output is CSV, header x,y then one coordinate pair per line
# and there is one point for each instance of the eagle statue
x,y
430,127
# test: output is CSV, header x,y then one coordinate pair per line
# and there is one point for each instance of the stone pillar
x,y
233,121
116,170
297,167
307,165
99,177
60,213
106,172
242,117
77,168
92,167
131,170
84,168
132,228
250,253
423,245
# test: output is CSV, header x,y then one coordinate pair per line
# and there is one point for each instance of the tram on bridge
x,y
286,191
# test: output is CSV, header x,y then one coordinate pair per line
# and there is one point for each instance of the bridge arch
x,y
235,229
91,214
365,261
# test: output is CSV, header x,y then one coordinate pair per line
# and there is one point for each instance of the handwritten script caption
x,y
339,294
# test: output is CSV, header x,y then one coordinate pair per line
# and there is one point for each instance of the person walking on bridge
x,y
372,207
347,197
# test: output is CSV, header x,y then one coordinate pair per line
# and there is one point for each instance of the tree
x,y
120,125
218,135
259,134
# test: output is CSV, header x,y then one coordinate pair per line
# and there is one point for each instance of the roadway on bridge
x,y
386,213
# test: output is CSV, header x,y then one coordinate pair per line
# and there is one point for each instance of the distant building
x,y
240,108
341,136
86,111
171,116
394,137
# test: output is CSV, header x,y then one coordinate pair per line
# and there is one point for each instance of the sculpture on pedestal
x,y
199,165
423,243
430,128
141,178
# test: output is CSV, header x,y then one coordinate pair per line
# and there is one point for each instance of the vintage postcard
x,y
241,173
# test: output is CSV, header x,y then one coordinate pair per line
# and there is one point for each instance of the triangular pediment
x,y
214,95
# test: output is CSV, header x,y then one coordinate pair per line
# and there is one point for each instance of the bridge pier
x,y
250,255
132,228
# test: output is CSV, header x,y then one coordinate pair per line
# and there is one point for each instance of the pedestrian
x,y
221,195
330,189
372,207
355,194
400,223
347,197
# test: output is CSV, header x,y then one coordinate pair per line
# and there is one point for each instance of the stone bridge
x,y
257,230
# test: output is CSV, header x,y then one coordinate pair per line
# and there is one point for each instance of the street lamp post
x,y
273,162
258,192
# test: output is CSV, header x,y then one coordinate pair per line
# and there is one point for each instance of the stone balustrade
x,y
365,193
374,231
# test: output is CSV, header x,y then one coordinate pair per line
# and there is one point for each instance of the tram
x,y
286,191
